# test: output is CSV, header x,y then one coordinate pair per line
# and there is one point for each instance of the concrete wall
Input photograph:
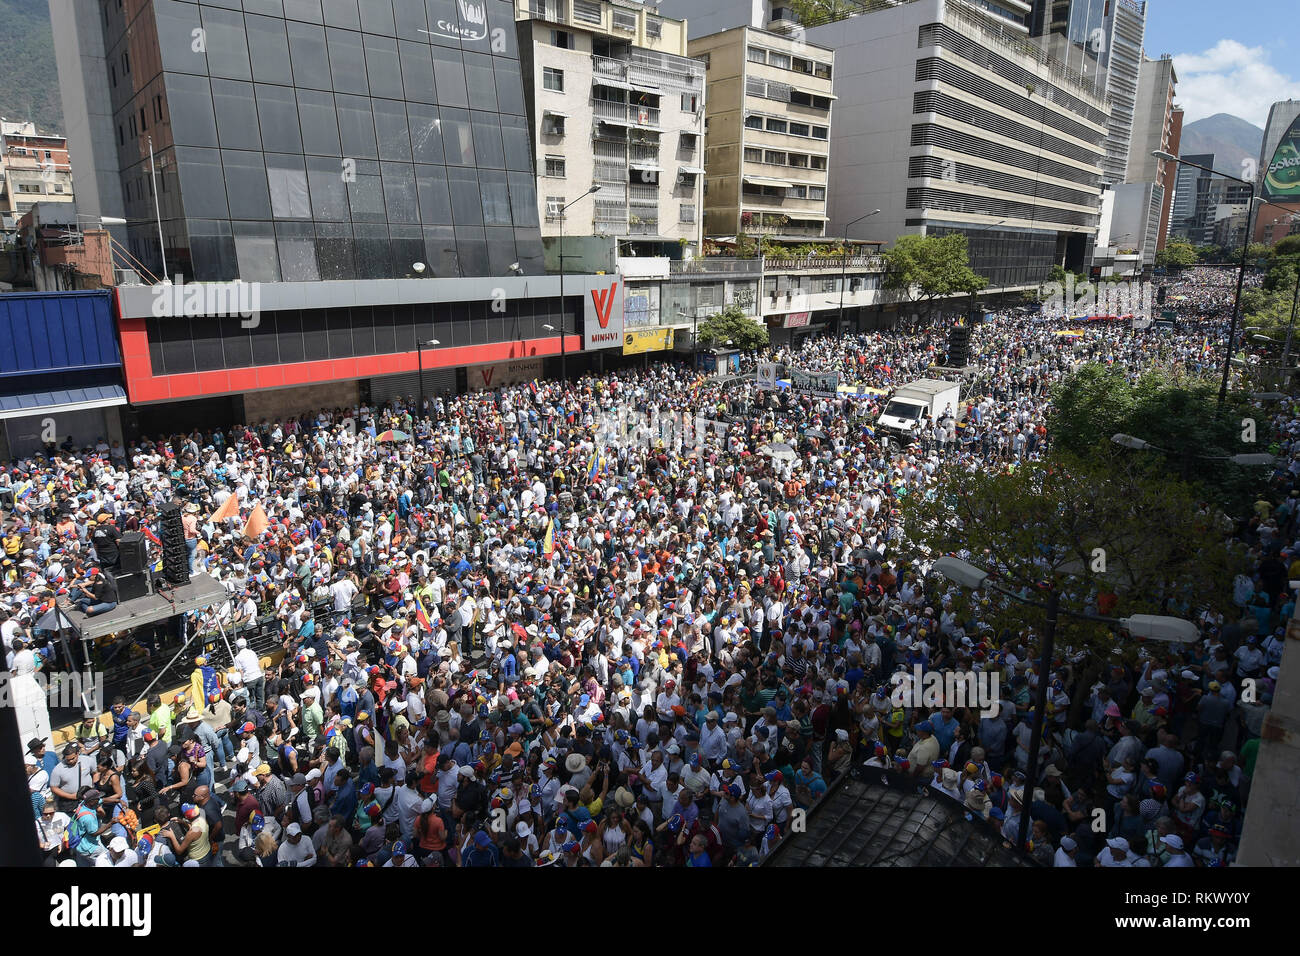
x,y
278,404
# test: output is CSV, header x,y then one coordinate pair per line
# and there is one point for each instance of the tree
x,y
1177,254
927,268
1178,413
1081,526
815,12
733,324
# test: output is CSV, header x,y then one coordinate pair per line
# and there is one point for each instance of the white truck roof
x,y
928,386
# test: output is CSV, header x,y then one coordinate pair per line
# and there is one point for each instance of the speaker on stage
x,y
131,586
958,345
131,547
176,562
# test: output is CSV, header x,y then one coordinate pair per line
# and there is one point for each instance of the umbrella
x,y
815,433
782,452
392,435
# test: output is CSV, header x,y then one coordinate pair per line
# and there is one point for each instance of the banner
x,y
796,320
768,374
647,340
482,377
820,384
1282,176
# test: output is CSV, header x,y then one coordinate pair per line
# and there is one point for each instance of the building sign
x,y
820,384
647,340
470,22
796,320
480,378
602,325
1282,177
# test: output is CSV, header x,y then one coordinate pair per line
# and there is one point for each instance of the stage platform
x,y
203,591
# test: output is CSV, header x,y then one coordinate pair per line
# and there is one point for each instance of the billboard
x,y
1282,175
796,320
647,340
602,325
482,377
768,374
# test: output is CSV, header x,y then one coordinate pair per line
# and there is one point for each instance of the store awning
x,y
555,113
649,167
611,81
696,170
764,181
615,122
64,400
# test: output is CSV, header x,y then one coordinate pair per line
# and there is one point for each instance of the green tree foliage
x,y
1177,413
732,324
1177,255
1109,523
928,268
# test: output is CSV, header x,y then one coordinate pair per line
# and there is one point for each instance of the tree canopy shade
x,y
1177,254
1109,524
927,268
732,324
1178,413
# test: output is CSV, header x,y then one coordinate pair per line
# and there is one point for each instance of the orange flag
x,y
229,509
257,523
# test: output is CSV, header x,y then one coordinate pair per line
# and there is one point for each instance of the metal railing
x,y
641,153
828,263
716,265
643,227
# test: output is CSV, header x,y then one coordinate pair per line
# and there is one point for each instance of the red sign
x,y
796,320
603,300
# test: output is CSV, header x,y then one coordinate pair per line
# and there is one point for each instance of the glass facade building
x,y
299,140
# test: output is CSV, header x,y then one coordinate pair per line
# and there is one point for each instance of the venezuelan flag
x,y
548,542
422,615
593,468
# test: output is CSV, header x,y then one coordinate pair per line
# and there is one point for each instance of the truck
x,y
906,406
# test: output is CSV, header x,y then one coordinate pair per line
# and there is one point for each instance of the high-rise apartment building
x,y
1278,179
769,127
34,168
614,101
948,122
1101,40
1157,126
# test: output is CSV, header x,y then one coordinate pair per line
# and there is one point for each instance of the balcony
x,y
626,113
642,226
832,264
715,265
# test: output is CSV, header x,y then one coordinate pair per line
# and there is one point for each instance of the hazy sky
x,y
1234,57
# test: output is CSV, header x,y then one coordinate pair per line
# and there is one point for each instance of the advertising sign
x,y
482,377
1282,176
796,320
602,326
820,384
647,340
768,375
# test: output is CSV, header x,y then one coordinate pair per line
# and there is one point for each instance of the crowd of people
x,y
606,623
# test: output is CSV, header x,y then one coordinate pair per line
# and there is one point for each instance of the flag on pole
x,y
594,467
548,542
422,615
257,523
229,509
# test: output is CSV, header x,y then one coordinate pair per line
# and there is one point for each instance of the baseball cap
x,y
293,830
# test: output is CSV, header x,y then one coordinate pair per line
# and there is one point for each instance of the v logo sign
x,y
603,300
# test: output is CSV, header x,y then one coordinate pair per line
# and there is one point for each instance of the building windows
x,y
753,122
817,192
688,142
625,21
799,129
755,55
798,160
753,155
552,79
586,11
774,157
654,27
816,162
820,132
552,125
779,60
796,192
555,166
562,39
690,102
687,213
777,126
553,206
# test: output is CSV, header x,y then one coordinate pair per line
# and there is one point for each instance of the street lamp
x,y
419,361
1241,272
418,267
1138,444
563,322
1149,626
844,271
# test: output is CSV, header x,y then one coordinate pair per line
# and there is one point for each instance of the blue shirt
x,y
345,801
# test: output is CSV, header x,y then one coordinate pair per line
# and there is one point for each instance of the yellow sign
x,y
647,340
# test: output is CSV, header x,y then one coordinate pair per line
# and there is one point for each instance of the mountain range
x,y
29,79
1230,138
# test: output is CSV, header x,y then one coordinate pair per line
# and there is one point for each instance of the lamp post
x,y
844,271
1241,272
419,364
564,325
1150,626
1139,444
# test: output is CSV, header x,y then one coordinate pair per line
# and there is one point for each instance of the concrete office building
x,y
769,120
937,127
1157,125
614,101
317,151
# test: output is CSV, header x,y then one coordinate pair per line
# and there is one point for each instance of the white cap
x,y
293,830
241,643
118,844
523,829
730,719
